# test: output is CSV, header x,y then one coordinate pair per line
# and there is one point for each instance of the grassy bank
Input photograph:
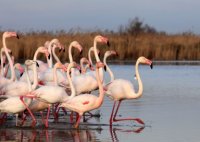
x,y
155,46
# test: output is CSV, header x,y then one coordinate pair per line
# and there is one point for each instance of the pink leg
x,y
77,122
34,121
3,118
125,119
23,118
111,116
43,120
47,124
71,117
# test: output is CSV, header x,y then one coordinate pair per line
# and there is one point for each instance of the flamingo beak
x,y
151,66
105,68
64,50
37,64
21,74
108,43
81,52
11,53
99,54
49,56
4,64
17,36
60,50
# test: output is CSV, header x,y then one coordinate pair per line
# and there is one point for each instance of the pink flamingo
x,y
85,102
120,89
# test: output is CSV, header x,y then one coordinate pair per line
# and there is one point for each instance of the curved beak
x,y
151,66
64,50
49,56
17,36
81,52
37,64
105,68
21,74
108,43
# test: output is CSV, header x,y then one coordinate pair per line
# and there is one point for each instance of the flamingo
x,y
89,79
120,89
16,104
36,104
85,102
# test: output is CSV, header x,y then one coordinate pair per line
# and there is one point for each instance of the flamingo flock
x,y
59,86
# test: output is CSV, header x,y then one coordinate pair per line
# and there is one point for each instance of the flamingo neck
x,y
97,59
28,79
50,61
140,84
9,59
108,69
35,77
55,77
73,91
54,54
2,71
89,56
71,60
101,92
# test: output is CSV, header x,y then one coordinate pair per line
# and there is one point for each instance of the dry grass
x,y
129,47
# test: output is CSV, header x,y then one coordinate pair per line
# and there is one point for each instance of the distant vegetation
x,y
130,41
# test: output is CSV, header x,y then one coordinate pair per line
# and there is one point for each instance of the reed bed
x,y
156,46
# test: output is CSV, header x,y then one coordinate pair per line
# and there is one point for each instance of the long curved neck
x,y
28,79
54,54
50,61
35,55
71,60
2,71
73,91
101,92
89,56
55,77
108,69
97,59
70,54
140,91
9,59
35,77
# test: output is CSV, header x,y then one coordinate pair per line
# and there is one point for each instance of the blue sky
x,y
172,16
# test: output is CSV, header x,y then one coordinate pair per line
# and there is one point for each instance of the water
x,y
169,107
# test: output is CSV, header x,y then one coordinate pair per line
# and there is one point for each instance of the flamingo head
x,y
77,45
20,68
99,65
29,63
44,50
59,65
145,61
46,44
102,39
110,52
10,34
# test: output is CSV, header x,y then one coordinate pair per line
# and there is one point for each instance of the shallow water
x,y
169,107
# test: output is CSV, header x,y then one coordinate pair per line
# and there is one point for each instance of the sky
x,y
171,16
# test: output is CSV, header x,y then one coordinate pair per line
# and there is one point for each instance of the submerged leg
x,y
77,122
34,120
111,116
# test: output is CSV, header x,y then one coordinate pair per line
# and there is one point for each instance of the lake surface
x,y
170,108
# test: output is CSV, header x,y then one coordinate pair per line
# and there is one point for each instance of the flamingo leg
x,y
34,120
138,120
71,117
47,118
43,120
23,119
3,118
111,116
78,121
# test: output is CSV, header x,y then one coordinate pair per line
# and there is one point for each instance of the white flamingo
x,y
86,102
17,104
120,89
89,78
